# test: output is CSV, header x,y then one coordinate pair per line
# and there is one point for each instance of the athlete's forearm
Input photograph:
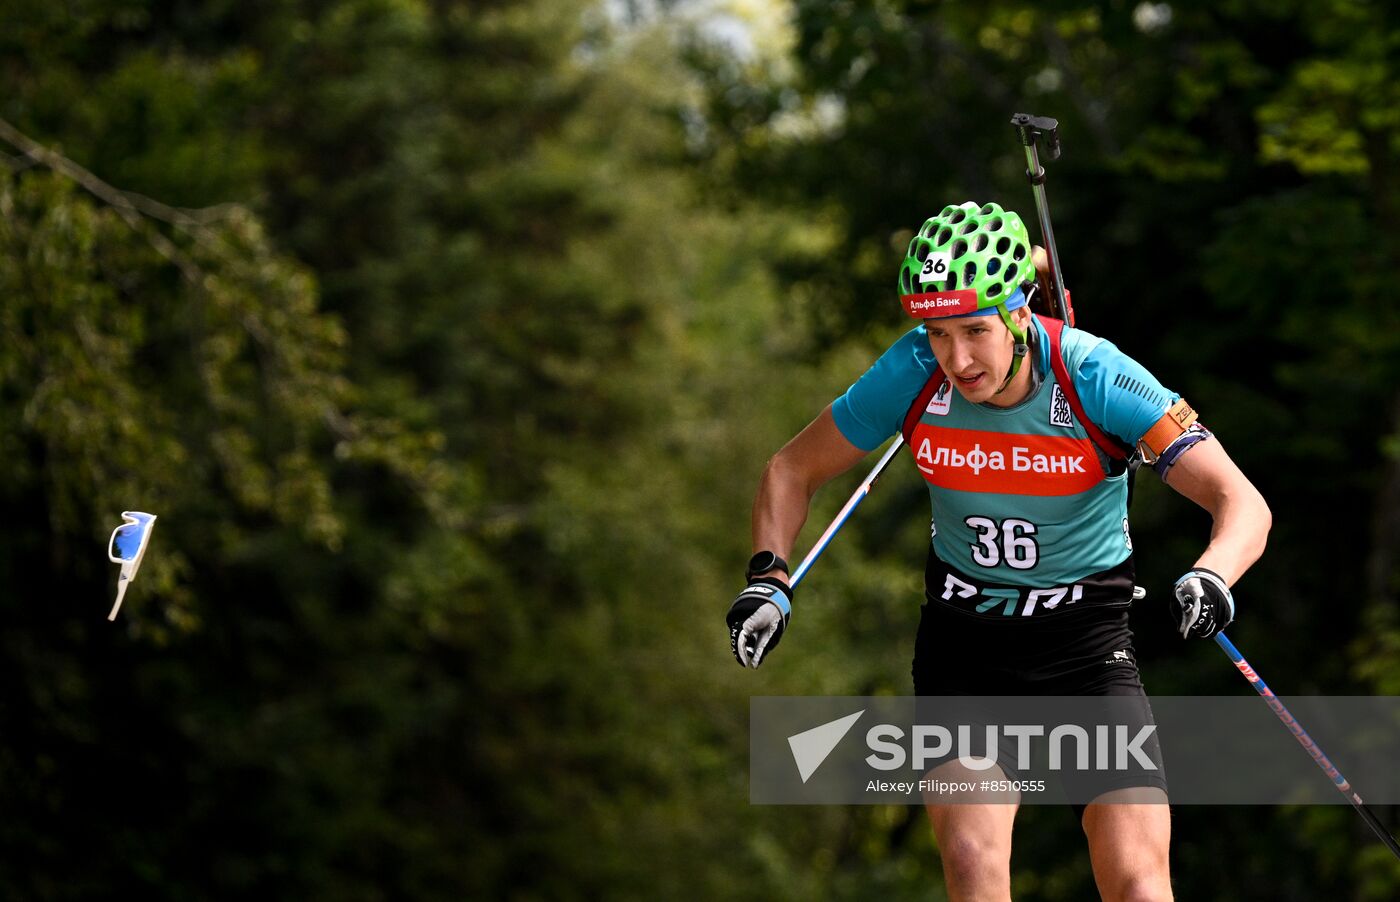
x,y
1238,535
1240,516
780,508
813,458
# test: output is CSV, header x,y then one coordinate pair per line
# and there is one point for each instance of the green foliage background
x,y
449,340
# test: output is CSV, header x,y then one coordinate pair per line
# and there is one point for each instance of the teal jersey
x,y
1021,496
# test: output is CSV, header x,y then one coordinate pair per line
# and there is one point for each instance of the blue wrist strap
x,y
776,592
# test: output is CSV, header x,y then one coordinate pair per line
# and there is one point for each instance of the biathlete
x,y
1023,429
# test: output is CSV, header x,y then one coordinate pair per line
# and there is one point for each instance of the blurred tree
x,y
412,685
153,358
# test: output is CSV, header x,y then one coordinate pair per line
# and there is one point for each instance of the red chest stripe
x,y
970,460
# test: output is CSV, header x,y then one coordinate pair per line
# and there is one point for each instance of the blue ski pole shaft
x,y
851,504
1313,749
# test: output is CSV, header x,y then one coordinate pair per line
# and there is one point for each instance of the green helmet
x,y
969,261
985,249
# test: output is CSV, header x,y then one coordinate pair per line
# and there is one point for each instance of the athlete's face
x,y
976,353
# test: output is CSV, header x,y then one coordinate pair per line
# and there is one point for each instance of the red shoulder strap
x,y
916,410
1112,447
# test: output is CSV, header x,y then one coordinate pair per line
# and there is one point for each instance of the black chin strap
x,y
1018,355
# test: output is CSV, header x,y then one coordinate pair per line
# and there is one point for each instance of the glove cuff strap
x,y
780,596
1210,574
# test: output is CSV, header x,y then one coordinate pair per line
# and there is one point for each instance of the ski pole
x,y
851,504
1032,130
1314,751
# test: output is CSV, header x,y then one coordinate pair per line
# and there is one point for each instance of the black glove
x,y
1202,604
757,619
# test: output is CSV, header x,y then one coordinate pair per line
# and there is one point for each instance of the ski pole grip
x,y
1033,128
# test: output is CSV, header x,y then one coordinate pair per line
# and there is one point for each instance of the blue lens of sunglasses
x,y
126,541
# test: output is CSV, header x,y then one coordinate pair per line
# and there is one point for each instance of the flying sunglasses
x,y
128,545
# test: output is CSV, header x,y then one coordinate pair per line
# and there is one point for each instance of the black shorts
x,y
1084,652
1087,653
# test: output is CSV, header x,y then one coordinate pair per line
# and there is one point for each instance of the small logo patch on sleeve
x,y
1060,412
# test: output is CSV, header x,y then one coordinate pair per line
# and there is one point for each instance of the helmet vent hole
x,y
1010,272
971,226
993,266
959,248
980,244
969,274
1003,244
944,235
922,253
986,208
905,286
958,217
1019,253
994,225
994,289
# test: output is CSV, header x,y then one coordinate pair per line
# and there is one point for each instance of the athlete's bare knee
x,y
1142,888
976,865
1128,850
